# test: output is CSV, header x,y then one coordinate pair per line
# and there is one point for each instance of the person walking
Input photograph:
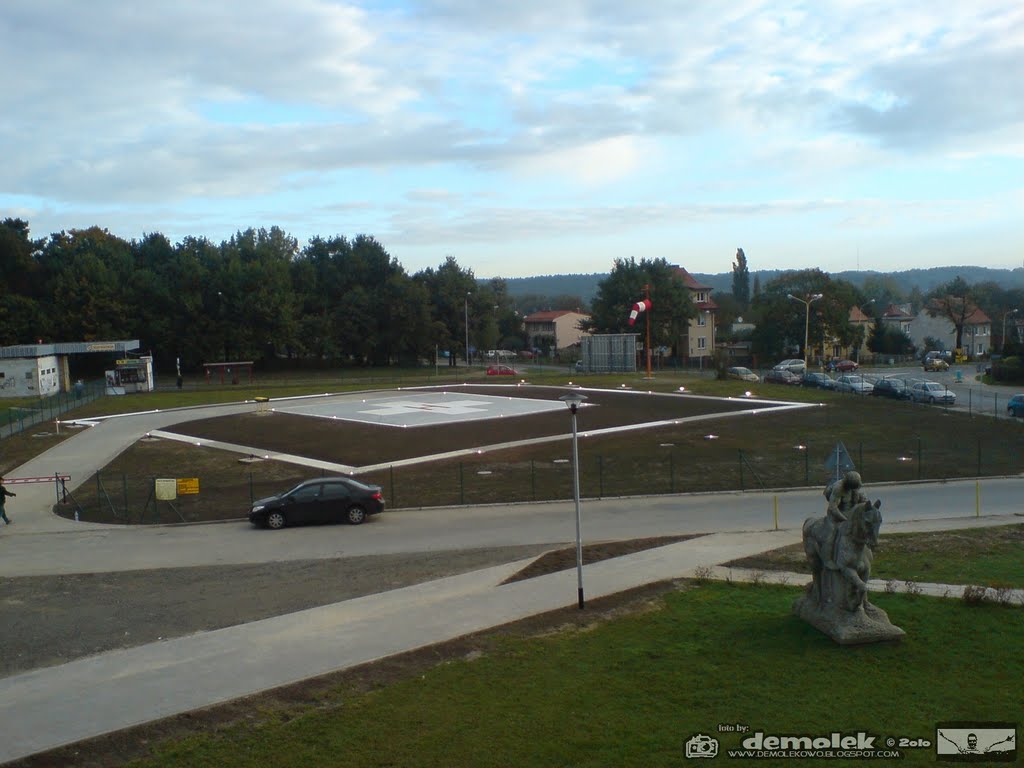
x,y
4,493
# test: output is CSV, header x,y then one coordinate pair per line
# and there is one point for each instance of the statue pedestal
x,y
866,624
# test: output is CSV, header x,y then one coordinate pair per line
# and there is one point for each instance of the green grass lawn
x,y
991,557
630,692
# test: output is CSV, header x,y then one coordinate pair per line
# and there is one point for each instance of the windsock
x,y
640,306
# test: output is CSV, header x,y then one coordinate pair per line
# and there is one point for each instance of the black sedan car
x,y
324,500
892,387
819,380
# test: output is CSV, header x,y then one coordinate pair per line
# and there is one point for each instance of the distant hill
x,y
585,286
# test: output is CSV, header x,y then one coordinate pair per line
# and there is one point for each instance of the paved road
x,y
40,543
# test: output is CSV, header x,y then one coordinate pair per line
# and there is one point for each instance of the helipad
x,y
422,409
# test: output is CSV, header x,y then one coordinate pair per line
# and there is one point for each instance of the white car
x,y
851,382
932,392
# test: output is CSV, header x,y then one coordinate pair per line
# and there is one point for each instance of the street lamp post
x,y
466,307
1006,315
573,400
807,317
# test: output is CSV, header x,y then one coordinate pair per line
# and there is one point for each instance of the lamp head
x,y
573,400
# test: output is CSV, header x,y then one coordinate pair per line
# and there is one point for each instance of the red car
x,y
843,366
502,370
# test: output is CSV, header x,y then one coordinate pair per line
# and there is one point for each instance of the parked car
x,y
818,380
741,374
1016,406
842,366
501,370
781,376
793,366
850,382
323,500
891,386
931,392
935,364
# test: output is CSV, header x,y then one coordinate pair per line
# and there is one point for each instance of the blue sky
x,y
528,137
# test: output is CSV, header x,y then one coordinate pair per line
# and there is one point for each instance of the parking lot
x,y
971,395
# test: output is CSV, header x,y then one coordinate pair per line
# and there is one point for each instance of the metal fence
x,y
681,468
47,409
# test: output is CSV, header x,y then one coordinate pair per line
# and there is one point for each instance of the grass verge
x,y
632,691
991,556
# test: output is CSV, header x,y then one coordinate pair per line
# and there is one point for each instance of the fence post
x,y
775,505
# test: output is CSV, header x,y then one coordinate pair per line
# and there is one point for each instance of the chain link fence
x,y
47,409
700,464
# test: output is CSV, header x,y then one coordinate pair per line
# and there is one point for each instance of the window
x,y
336,491
702,343
309,493
701,296
702,319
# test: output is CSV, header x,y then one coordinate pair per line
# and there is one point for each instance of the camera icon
x,y
701,746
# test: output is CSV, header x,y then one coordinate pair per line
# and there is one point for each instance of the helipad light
x,y
748,393
682,389
800,447
710,437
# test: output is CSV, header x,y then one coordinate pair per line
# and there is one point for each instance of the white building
x,y
41,370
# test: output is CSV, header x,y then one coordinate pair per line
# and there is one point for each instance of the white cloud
x,y
706,110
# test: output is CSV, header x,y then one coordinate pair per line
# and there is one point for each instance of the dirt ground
x,y
52,620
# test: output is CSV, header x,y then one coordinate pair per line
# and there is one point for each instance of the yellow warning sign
x,y
188,485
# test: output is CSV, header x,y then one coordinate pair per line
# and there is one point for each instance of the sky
x,y
528,138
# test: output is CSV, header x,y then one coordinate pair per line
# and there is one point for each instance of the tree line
x,y
256,296
260,296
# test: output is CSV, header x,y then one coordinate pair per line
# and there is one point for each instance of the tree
x,y
671,308
741,280
889,340
781,320
453,293
952,301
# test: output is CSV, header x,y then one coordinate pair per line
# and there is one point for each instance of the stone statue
x,y
839,547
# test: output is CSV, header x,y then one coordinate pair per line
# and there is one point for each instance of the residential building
x,y
554,330
859,320
699,342
898,316
976,337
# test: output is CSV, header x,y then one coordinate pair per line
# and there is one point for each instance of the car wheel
x,y
275,520
355,515
931,400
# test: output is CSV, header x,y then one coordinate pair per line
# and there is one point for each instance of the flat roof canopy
x,y
69,348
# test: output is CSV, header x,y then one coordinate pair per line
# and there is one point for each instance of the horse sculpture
x,y
840,556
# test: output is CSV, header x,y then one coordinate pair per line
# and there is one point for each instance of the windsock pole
x,y
647,296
